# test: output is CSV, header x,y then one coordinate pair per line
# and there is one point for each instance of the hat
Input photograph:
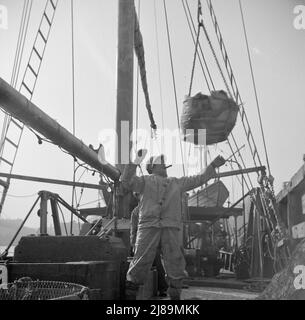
x,y
154,161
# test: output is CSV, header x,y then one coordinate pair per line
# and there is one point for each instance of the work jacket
x,y
161,198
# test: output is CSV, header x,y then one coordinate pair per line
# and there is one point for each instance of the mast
x,y
125,70
125,78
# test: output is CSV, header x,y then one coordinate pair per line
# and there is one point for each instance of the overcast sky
x,y
277,50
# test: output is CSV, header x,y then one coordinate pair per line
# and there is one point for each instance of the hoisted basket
x,y
43,290
217,114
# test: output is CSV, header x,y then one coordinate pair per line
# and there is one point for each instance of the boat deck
x,y
222,289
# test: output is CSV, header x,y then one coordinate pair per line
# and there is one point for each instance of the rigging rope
x,y
216,59
138,73
254,86
174,81
25,18
230,94
73,107
196,46
159,74
19,41
24,33
195,58
139,49
189,17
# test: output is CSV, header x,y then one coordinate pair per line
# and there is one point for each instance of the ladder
x,y
14,129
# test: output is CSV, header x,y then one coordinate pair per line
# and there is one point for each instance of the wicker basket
x,y
43,290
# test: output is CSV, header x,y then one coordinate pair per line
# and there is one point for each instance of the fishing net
x,y
217,114
42,290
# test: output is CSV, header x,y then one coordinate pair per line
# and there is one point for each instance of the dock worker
x,y
160,220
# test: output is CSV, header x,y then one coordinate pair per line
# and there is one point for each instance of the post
x,y
43,212
125,70
55,215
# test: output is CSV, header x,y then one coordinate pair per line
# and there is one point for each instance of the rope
x,y
195,58
229,92
73,106
174,80
63,218
196,46
26,13
138,73
186,6
21,197
139,49
19,41
193,30
26,27
254,86
216,60
159,73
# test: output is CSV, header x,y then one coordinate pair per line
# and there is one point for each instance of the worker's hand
x,y
132,250
218,162
140,156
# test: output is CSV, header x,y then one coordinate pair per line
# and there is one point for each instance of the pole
x,y
24,110
239,172
125,74
52,181
125,70
43,213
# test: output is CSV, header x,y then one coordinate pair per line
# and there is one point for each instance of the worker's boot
x,y
174,293
131,290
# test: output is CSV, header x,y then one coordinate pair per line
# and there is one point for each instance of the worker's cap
x,y
155,161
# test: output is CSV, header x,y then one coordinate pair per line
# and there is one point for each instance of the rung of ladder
x,y
53,5
17,124
27,88
11,142
6,161
42,36
47,18
32,69
39,56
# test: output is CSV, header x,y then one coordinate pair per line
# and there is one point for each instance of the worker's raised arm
x,y
191,183
129,179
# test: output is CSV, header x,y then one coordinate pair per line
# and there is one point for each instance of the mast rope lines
x,y
26,12
174,81
209,79
236,92
280,233
14,127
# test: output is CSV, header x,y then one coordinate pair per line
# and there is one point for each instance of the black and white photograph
x,y
152,151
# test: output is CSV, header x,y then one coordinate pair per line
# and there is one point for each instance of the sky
x,y
277,51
